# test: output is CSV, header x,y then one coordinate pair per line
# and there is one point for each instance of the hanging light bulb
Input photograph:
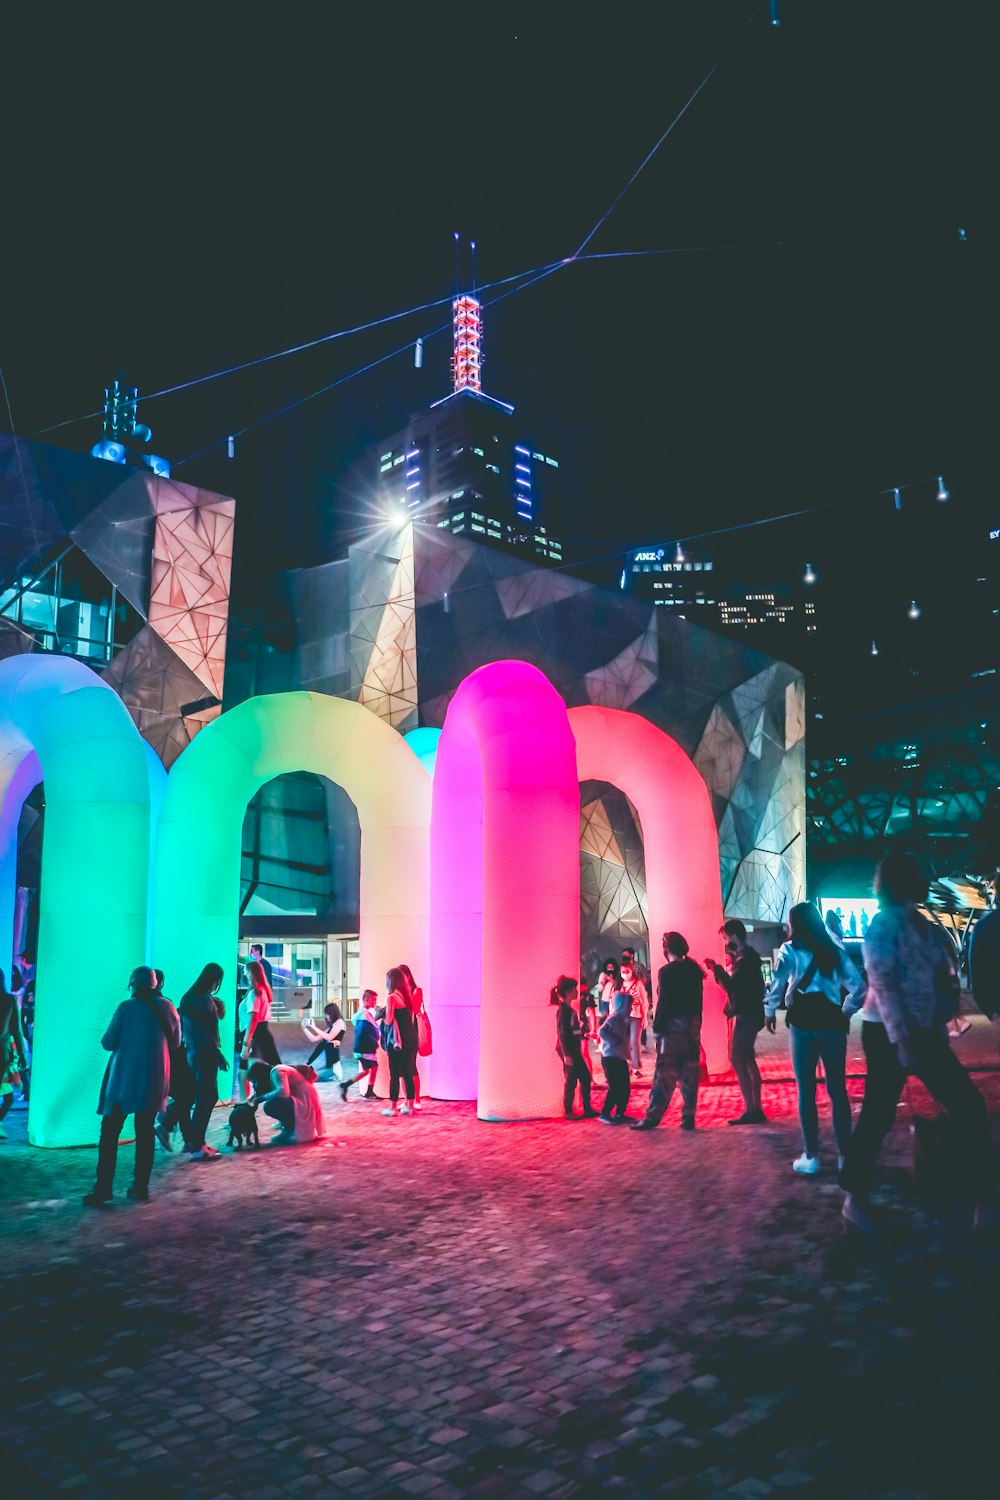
x,y
914,610
809,576
679,554
942,493
897,499
874,650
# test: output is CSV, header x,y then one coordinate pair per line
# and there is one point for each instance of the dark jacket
x,y
200,1016
142,1034
679,987
984,963
745,987
568,1032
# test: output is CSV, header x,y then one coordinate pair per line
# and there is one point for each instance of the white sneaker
x,y
207,1153
406,1109
416,1106
392,1110
807,1165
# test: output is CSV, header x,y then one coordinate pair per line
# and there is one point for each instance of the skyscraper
x,y
465,463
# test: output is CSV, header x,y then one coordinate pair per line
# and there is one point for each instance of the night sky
x,y
190,190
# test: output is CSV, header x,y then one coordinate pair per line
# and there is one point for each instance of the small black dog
x,y
243,1126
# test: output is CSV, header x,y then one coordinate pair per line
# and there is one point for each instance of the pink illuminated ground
x,y
442,1307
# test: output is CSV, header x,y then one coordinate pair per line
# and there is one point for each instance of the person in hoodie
x,y
615,1036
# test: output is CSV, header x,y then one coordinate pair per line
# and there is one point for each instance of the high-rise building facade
x,y
466,465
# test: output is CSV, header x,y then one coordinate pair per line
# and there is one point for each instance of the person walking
x,y
680,988
200,1011
399,1032
289,1095
984,962
365,1047
569,1045
615,1040
12,1060
744,987
257,1040
635,989
257,956
911,997
812,975
144,1030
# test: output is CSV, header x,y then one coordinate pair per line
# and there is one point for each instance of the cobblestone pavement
x,y
439,1307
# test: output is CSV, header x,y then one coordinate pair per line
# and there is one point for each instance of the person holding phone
x,y
743,983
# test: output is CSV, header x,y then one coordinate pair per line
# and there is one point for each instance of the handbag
x,y
425,1038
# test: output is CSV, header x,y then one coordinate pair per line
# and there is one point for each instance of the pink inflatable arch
x,y
505,891
679,836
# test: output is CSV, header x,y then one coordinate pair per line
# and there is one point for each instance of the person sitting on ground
x,y
289,1095
144,1031
677,1028
615,1035
744,987
327,1039
569,1047
365,1047
12,1061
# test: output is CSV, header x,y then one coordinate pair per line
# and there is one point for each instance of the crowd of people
x,y
166,1059
909,994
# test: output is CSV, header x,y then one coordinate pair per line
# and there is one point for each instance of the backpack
x,y
365,1037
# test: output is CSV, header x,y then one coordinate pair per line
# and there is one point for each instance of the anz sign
x,y
650,556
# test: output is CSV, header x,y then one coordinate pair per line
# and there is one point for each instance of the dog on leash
x,y
243,1127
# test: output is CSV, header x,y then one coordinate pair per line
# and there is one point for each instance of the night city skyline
x,y
723,385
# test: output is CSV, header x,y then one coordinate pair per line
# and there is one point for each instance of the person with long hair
x,y
415,999
257,1040
12,1060
327,1040
569,1045
680,988
911,997
200,1011
813,975
399,1030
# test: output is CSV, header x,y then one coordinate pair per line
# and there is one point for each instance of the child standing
x,y
615,1034
365,1046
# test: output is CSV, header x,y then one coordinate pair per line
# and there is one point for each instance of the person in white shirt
x,y
635,989
813,975
913,993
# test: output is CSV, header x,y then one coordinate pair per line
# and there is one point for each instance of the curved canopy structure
x,y
505,890
61,724
197,888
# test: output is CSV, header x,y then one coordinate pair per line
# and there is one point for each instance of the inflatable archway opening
x,y
61,723
197,891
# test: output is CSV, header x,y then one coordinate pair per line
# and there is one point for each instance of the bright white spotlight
x,y
809,576
942,493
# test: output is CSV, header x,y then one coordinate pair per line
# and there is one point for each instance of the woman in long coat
x,y
144,1030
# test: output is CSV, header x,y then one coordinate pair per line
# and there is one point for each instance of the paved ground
x,y
439,1307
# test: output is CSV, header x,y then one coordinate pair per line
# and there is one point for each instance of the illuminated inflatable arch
x,y
200,839
679,837
61,724
505,891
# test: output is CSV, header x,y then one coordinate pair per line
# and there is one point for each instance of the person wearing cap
x,y
144,1030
